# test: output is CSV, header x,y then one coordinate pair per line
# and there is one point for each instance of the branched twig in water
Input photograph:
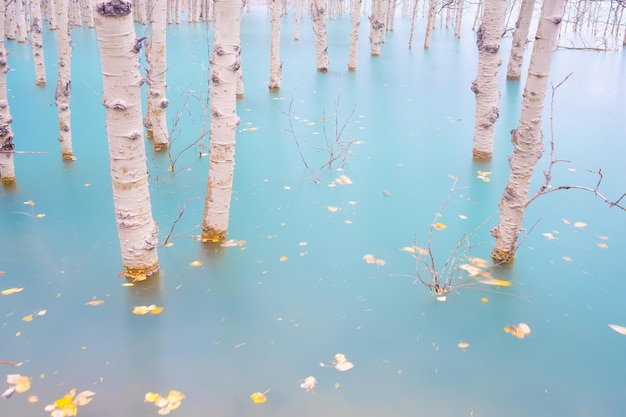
x,y
547,188
292,132
180,215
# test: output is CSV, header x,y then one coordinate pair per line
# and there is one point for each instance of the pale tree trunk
x,y
458,18
520,38
527,139
10,28
485,86
121,83
432,8
88,13
479,12
20,20
74,13
354,36
296,33
239,89
7,168
177,11
170,5
318,15
141,12
224,120
276,67
156,117
52,15
36,42
62,93
413,17
377,27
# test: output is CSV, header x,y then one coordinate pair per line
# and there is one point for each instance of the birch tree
x,y
377,27
156,114
430,24
527,139
276,67
354,36
224,120
318,16
62,93
36,42
520,38
458,18
485,86
7,167
20,20
121,82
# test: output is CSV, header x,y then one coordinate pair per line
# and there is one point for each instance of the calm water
x,y
246,321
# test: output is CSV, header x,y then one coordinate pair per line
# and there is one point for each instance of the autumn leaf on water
x,y
20,383
471,270
10,291
519,330
439,226
603,245
152,309
68,404
494,281
479,262
619,329
308,383
371,259
484,175
340,363
414,250
29,203
343,180
195,263
463,345
232,242
333,209
259,397
580,225
94,302
171,401
549,236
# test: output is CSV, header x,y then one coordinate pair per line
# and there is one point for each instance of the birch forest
x,y
321,207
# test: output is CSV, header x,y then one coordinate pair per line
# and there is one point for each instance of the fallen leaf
x,y
603,237
603,245
369,258
342,363
619,329
343,180
484,300
380,262
152,309
463,345
94,302
333,209
259,397
495,281
441,298
282,258
10,291
195,263
385,193
471,270
20,383
565,221
567,259
549,236
232,242
302,244
440,226
309,383
580,225
520,330
8,393
29,203
32,399
83,398
40,215
28,318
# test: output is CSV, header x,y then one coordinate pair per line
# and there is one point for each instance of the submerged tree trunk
x,y
318,15
62,93
458,18
485,86
296,32
121,82
527,139
430,24
276,67
224,120
520,38
7,167
20,20
354,36
36,42
156,117
377,27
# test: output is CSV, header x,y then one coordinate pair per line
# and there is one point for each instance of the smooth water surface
x,y
264,315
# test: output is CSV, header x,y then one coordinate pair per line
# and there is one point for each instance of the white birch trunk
x,y
485,86
20,20
10,28
318,16
458,18
178,6
224,120
52,15
354,36
527,139
432,8
141,12
296,33
276,67
7,167
156,118
36,42
88,13
62,93
520,38
121,82
377,27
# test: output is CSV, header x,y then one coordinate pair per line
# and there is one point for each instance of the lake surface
x,y
263,316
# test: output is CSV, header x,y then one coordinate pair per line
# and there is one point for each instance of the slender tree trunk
x,y
527,139
224,120
88,13
458,18
276,67
121,82
377,27
10,28
520,38
432,8
354,36
156,117
479,12
141,12
413,17
485,86
36,42
318,15
296,34
7,167
20,20
62,93
52,15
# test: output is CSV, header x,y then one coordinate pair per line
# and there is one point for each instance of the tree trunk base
x,y
503,256
274,89
323,69
68,156
239,96
140,274
213,236
482,155
9,181
159,146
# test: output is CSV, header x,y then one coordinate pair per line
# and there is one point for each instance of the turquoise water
x,y
245,321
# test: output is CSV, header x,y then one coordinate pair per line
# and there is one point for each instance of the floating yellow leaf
x,y
282,258
603,245
151,397
195,263
567,259
64,401
309,383
157,310
175,396
32,399
494,281
619,329
83,398
343,180
259,397
333,209
10,291
369,258
479,262
484,300
40,215
232,242
549,236
20,383
520,330
440,226
28,318
463,345
94,302
580,225
152,309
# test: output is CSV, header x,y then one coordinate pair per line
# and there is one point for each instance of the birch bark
x,y
52,15
318,16
430,24
224,120
296,32
7,167
62,93
10,28
20,20
377,27
527,139
156,118
121,82
354,36
36,42
458,18
485,86
276,67
520,38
